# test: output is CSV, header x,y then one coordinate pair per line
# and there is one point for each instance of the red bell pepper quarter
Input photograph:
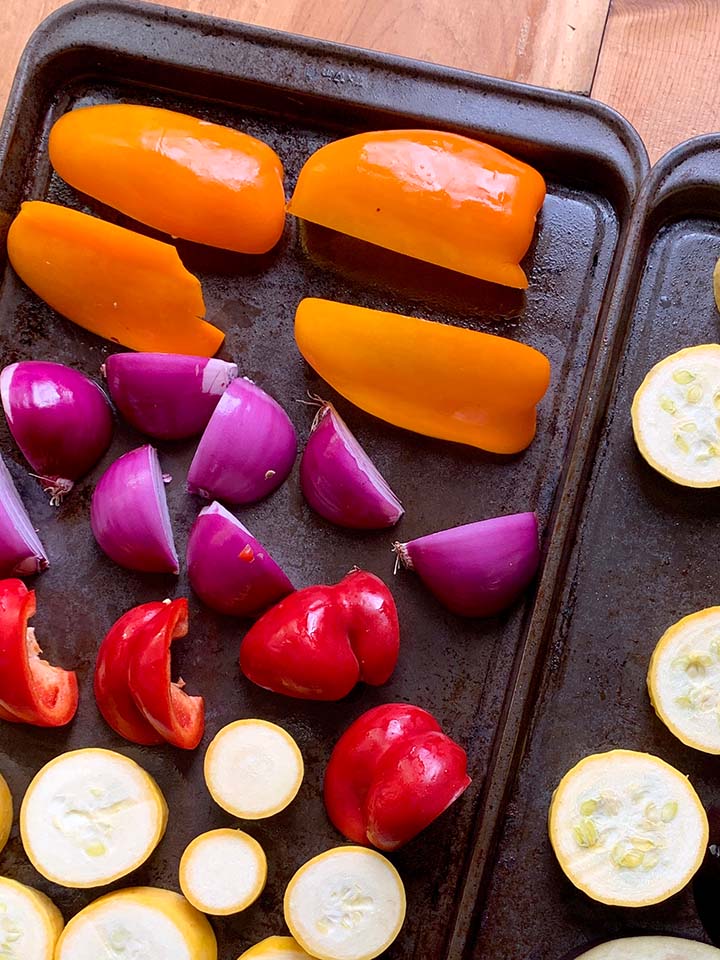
x,y
133,688
391,774
31,690
317,643
177,717
112,691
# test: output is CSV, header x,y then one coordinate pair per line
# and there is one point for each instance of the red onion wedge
x,y
478,569
340,481
21,553
60,419
129,514
169,396
248,447
229,569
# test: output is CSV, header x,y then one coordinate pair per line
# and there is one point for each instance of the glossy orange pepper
x,y
432,378
114,282
190,178
436,196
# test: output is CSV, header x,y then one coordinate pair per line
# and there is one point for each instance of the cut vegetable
x,y
706,882
346,904
716,284
188,177
340,481
223,872
253,769
436,379
30,923
146,923
229,569
119,284
167,395
6,812
430,194
478,569
60,419
676,416
684,680
276,948
651,948
129,514
21,553
90,817
627,828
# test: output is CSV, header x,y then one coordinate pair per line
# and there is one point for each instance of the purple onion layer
x,y
21,553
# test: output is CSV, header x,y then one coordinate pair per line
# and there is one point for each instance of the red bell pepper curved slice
x,y
391,774
112,691
177,717
31,690
317,643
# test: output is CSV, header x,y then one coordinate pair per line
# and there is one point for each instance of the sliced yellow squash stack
x,y
684,680
6,812
627,828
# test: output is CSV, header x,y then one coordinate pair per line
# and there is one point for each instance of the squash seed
x,y
668,406
588,807
694,394
681,443
683,377
669,811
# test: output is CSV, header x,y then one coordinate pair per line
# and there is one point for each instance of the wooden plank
x,y
550,42
660,67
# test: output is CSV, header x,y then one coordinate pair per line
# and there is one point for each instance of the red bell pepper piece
x,y
112,691
31,690
317,643
391,774
177,717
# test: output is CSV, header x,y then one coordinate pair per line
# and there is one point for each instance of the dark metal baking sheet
x,y
642,559
298,94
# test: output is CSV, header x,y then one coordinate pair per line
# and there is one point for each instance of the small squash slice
x,y
676,416
138,922
253,769
651,948
223,872
684,680
30,923
627,828
90,817
6,812
345,904
276,948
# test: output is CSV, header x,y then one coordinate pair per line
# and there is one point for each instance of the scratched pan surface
x,y
297,94
643,558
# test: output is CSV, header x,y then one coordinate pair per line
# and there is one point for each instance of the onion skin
x,y
229,569
248,447
478,569
169,396
60,419
21,553
129,515
340,481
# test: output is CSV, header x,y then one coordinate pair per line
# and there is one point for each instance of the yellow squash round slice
x,y
276,948
30,923
627,828
716,284
651,948
6,812
345,904
90,817
676,416
223,872
684,680
253,769
138,922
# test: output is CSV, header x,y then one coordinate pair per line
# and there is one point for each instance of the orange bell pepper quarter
x,y
114,282
436,196
184,176
433,378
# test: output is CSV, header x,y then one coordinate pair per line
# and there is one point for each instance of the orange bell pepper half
x,y
184,176
119,284
432,378
435,196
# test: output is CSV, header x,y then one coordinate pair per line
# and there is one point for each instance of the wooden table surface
x,y
656,61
